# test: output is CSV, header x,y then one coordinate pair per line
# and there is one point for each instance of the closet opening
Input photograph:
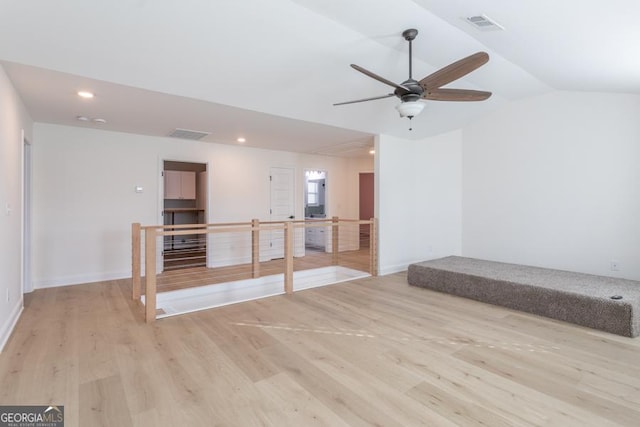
x,y
185,202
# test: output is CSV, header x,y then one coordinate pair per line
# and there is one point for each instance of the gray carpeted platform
x,y
578,298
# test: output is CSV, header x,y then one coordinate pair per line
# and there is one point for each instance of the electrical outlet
x,y
615,265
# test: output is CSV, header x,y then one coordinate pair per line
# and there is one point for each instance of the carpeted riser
x,y
598,313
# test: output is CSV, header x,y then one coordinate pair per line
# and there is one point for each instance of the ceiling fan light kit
x,y
410,108
411,91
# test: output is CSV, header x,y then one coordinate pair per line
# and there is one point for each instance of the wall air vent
x,y
188,134
484,23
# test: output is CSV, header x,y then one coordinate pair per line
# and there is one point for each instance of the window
x,y
312,193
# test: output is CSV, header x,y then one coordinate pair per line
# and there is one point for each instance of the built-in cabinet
x,y
185,202
179,185
315,237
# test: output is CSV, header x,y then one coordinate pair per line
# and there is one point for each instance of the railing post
x,y
288,257
373,247
150,275
255,248
334,240
135,261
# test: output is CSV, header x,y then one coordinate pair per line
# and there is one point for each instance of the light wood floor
x,y
370,352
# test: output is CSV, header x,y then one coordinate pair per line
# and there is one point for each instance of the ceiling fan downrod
x,y
416,91
409,35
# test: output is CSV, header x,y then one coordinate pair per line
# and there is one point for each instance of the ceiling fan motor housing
x,y
410,97
412,89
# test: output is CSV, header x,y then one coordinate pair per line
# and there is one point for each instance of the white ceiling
x,y
271,70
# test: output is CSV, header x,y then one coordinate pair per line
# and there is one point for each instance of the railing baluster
x,y
135,261
255,248
373,247
150,275
288,257
334,240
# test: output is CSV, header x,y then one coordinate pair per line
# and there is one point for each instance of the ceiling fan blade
x,y
454,71
456,95
365,99
378,78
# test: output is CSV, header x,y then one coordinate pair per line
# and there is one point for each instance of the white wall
x,y
553,181
550,181
13,120
84,199
418,199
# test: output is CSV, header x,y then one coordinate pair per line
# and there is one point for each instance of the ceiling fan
x,y
411,91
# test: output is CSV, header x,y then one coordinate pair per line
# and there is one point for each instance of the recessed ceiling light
x,y
241,140
85,94
89,119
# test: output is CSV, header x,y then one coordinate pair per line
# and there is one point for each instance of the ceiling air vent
x,y
188,134
484,23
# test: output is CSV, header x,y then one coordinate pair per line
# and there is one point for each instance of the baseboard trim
x,y
80,279
10,324
390,269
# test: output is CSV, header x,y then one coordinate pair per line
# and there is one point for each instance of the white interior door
x,y
282,206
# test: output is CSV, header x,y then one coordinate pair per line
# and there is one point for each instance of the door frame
x,y
326,185
365,228
26,283
327,245
160,206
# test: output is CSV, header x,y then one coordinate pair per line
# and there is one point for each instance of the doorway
x,y
315,207
185,201
366,206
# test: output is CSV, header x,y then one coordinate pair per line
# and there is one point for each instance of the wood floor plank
x,y
239,345
291,404
346,402
351,376
102,403
510,399
616,349
518,368
459,411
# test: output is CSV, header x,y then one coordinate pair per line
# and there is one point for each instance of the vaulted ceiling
x,y
271,70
